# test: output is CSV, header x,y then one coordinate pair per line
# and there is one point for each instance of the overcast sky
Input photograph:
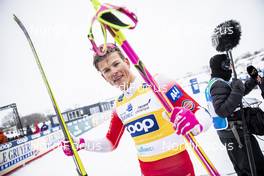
x,y
172,37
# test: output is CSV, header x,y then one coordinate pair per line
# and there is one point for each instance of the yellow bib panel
x,y
148,124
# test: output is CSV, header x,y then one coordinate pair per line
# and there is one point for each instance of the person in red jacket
x,y
37,129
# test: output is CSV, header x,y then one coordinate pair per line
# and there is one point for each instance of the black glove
x,y
252,71
261,86
238,86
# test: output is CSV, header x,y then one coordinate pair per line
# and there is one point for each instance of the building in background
x,y
82,112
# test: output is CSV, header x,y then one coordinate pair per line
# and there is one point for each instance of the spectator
x,y
44,127
29,130
3,138
37,130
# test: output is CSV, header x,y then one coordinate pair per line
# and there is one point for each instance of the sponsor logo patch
x,y
143,150
143,107
128,113
129,107
120,98
142,126
188,104
174,94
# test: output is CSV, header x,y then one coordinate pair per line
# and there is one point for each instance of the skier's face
x,y
116,71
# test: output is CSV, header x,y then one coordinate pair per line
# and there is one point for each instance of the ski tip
x,y
15,17
17,20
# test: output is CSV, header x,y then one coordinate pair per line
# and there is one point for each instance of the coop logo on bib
x,y
142,126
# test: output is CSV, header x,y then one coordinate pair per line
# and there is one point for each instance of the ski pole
x,y
226,37
245,128
79,166
110,22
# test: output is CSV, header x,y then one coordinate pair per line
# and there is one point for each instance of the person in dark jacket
x,y
44,127
224,98
29,130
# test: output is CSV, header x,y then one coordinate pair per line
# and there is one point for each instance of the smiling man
x,y
114,68
139,112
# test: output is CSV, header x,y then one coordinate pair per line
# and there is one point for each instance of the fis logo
x,y
174,94
129,107
142,126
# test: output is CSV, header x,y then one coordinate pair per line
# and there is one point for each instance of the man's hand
x,y
238,86
66,147
184,121
253,72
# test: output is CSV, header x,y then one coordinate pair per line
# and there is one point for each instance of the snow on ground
x,y
123,160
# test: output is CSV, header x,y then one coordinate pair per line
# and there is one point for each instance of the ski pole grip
x,y
131,15
113,21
